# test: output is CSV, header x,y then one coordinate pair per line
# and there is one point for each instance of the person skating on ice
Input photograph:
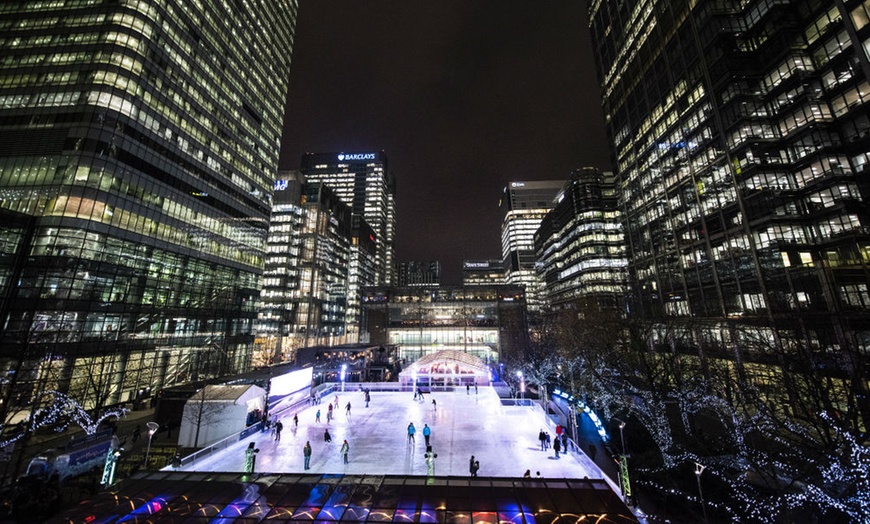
x,y
411,431
306,453
345,448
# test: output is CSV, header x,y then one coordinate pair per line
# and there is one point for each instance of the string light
x,y
60,412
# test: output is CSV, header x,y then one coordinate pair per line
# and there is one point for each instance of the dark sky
x,y
464,96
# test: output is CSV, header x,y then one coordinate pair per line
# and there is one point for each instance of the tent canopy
x,y
447,367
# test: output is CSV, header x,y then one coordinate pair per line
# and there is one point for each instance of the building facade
x,y
310,294
419,273
364,183
487,322
482,273
580,245
523,205
140,139
741,143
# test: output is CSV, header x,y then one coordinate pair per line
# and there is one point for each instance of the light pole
x,y
152,429
699,468
522,385
343,373
624,481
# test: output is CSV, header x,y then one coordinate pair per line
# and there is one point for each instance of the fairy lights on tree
x,y
53,408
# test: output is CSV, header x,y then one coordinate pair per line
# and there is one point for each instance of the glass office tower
x,y
363,182
140,139
740,136
580,245
523,205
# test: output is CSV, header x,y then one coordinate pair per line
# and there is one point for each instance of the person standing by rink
x,y
251,458
473,466
306,452
430,461
411,431
426,432
345,448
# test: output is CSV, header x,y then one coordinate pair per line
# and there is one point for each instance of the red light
x,y
90,518
371,237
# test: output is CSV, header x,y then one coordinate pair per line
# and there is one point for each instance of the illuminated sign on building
x,y
280,185
518,184
476,265
357,156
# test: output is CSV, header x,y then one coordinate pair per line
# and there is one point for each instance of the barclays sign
x,y
356,156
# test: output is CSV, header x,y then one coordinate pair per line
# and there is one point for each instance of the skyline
x,y
464,70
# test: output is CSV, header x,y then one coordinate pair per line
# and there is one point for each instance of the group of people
x,y
560,443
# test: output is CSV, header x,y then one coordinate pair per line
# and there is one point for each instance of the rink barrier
x,y
324,390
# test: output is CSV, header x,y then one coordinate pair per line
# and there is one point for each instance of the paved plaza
x,y
504,439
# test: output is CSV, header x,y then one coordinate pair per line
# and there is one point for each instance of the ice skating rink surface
x,y
504,439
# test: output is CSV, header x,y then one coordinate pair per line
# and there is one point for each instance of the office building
x,y
741,144
580,245
482,272
523,205
318,255
486,322
419,273
363,182
140,141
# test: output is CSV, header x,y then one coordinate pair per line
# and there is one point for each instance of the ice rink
x,y
504,439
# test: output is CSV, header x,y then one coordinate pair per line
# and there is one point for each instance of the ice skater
x,y
296,420
278,427
345,448
434,405
326,436
426,432
411,431
557,445
317,416
368,398
543,439
347,410
306,453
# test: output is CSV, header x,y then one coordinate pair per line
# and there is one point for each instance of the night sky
x,y
464,96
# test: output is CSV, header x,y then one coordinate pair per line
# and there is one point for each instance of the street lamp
x,y
699,468
343,373
624,481
522,385
152,429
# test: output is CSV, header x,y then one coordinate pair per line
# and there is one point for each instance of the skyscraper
x,y
740,135
523,205
362,181
580,245
140,141
319,255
